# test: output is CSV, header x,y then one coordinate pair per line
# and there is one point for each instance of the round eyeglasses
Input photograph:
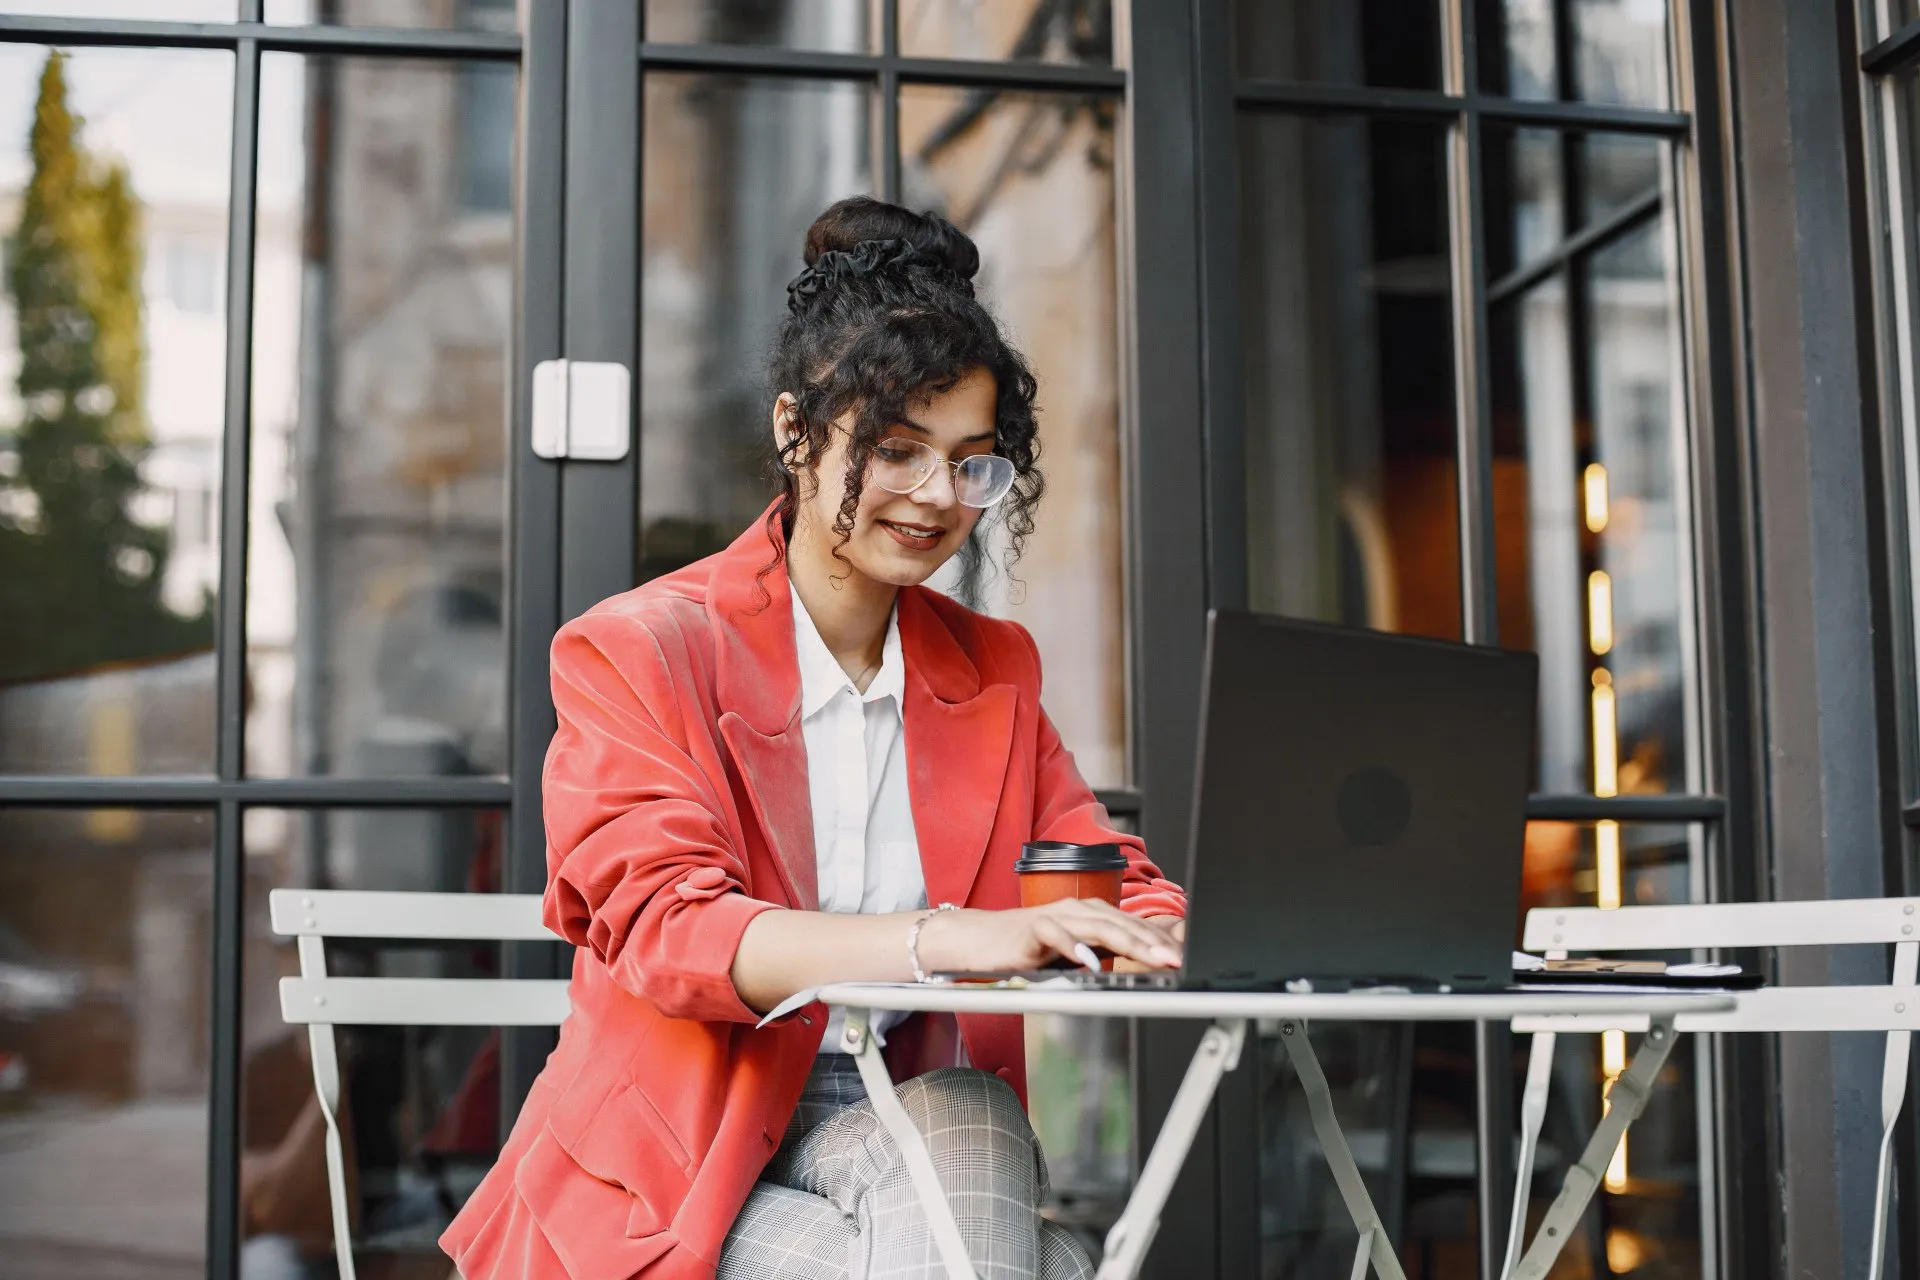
x,y
901,465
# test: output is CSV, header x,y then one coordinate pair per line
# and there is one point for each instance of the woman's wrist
x,y
929,945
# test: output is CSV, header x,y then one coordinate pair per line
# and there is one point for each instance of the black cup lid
x,y
1057,855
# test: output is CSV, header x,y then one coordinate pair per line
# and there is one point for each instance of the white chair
x,y
1894,1009
323,1003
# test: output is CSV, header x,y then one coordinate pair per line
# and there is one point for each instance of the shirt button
x,y
1005,1073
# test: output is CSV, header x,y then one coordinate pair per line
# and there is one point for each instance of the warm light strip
x,y
1613,1060
1595,482
1613,1053
1606,745
1606,863
1600,611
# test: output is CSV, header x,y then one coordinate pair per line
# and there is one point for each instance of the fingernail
x,y
1084,954
1167,956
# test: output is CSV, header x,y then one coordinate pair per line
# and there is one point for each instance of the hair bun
x,y
857,220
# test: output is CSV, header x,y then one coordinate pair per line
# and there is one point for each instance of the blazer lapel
x,y
959,737
774,769
758,682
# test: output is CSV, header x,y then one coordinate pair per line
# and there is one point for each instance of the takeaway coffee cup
x,y
1050,870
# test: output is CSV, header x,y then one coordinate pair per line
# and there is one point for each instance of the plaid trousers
x,y
837,1203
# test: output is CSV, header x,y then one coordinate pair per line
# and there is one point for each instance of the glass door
x,y
278,569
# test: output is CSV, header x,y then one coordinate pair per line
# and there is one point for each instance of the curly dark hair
x,y
884,317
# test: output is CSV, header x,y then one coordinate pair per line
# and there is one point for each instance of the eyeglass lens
x,y
901,466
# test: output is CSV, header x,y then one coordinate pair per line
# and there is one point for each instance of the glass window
x,y
1648,1215
113,180
836,26
1030,178
1346,338
1405,1099
1603,51
733,172
1077,31
105,1022
1391,43
144,10
422,1104
467,15
1587,417
377,560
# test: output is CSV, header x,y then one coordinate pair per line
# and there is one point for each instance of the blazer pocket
x,y
631,1145
586,1219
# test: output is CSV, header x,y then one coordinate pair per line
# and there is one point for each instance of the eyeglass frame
x,y
954,472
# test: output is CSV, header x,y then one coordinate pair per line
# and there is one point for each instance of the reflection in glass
x,y
1586,410
105,1016
422,1103
1030,178
1009,30
1606,51
734,171
144,10
464,15
113,209
1352,502
833,25
1391,43
383,279
1648,1215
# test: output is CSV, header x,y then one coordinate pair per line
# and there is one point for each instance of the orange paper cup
x,y
1051,870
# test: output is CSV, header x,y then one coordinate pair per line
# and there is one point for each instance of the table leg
x,y
1333,1144
1625,1101
859,1040
1127,1243
1533,1115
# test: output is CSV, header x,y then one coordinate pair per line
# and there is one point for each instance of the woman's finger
x,y
1145,933
1125,936
1055,936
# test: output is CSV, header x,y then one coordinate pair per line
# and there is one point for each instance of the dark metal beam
x,y
357,41
1896,53
1831,780
823,65
230,681
1588,117
1433,104
274,793
1582,808
1623,221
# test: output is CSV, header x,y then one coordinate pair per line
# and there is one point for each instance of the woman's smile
x,y
912,536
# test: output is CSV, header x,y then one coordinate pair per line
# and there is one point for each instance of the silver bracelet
x,y
913,940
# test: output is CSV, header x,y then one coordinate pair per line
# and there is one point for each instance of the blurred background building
x,y
1581,326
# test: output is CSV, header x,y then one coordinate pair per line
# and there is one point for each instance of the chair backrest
x,y
313,998
1832,923
321,1003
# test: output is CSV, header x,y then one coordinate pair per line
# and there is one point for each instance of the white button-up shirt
x,y
866,854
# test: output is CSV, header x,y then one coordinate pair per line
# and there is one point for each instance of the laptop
x,y
1359,812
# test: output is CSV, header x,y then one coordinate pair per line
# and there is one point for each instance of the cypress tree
x,y
80,577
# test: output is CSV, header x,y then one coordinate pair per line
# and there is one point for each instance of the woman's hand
x,y
1033,937
1174,928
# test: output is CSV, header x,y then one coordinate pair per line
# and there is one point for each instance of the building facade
x,y
1578,326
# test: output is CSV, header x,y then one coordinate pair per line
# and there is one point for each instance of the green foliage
x,y
79,575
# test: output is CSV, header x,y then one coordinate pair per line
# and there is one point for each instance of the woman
x,y
769,766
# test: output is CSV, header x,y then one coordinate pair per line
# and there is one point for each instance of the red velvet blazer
x,y
677,810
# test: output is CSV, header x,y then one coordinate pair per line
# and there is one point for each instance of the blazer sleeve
x,y
641,868
1064,808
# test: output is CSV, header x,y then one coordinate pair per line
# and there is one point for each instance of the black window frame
x,y
1181,424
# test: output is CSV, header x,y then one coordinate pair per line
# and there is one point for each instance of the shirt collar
x,y
821,676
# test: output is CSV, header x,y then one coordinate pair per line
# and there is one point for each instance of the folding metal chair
x,y
323,1003
1557,931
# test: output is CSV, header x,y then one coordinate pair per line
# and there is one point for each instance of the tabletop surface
x,y
1344,1006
